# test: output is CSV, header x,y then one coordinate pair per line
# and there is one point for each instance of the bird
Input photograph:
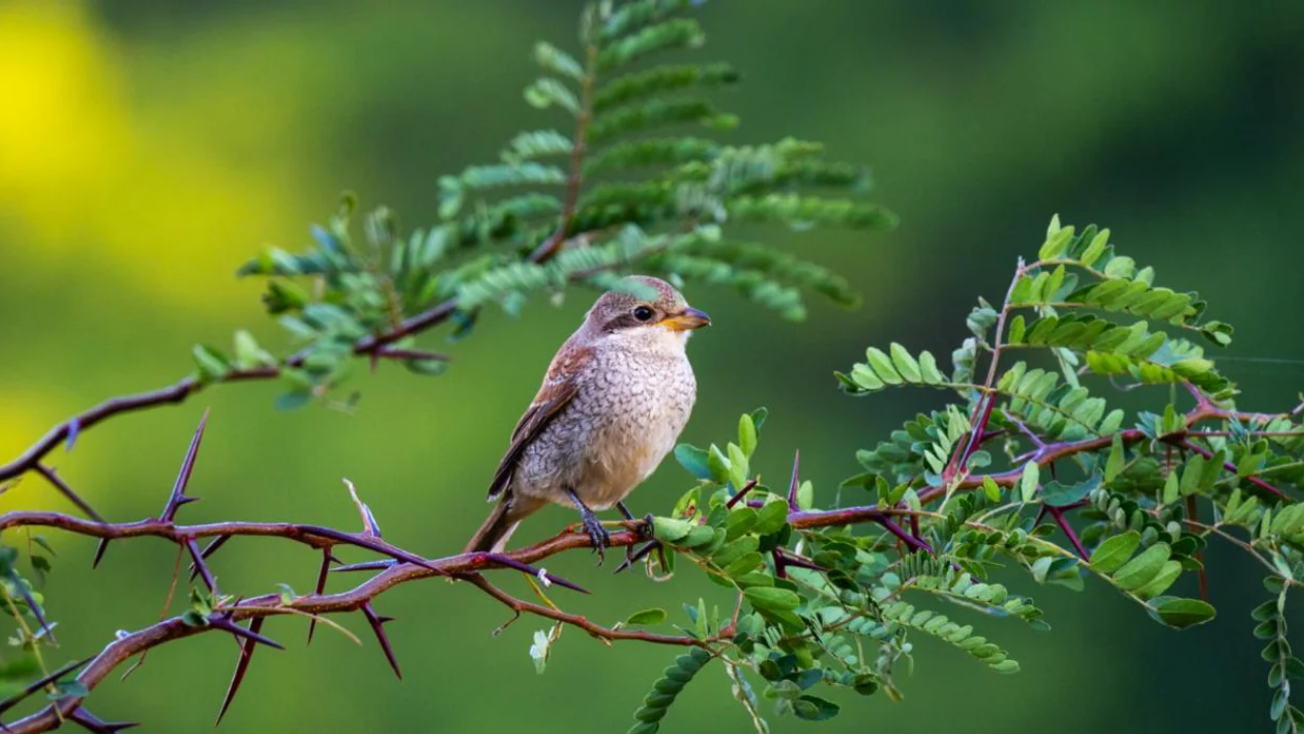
x,y
612,404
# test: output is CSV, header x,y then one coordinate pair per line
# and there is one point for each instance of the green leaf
x,y
1095,249
1171,489
813,708
647,617
248,353
1117,458
556,60
747,435
771,598
293,399
991,489
1181,613
1160,583
928,369
549,91
1028,481
758,417
719,464
1114,552
905,363
695,460
1056,243
670,529
1060,495
212,364
1016,331
771,517
1143,569
882,365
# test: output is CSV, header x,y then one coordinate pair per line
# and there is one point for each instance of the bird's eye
x,y
642,313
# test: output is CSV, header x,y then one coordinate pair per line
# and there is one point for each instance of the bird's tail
x,y
497,528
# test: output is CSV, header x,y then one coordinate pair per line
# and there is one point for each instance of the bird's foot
x,y
598,535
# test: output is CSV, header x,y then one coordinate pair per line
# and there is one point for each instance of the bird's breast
x,y
637,413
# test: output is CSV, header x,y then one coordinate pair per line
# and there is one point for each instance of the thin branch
x,y
983,408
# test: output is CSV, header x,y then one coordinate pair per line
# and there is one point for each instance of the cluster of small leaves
x,y
625,190
822,608
667,687
1271,618
1143,486
21,602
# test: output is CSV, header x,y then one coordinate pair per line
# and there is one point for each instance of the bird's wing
x,y
559,387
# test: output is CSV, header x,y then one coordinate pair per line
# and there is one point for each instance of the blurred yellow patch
x,y
83,173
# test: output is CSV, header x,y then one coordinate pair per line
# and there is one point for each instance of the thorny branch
x,y
244,618
404,566
376,346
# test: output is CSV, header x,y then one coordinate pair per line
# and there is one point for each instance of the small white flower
x,y
539,650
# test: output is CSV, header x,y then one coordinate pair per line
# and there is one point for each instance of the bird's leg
x,y
633,556
598,535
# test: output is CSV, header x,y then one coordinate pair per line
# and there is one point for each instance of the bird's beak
x,y
689,318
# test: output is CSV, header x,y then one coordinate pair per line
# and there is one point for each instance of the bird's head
x,y
644,313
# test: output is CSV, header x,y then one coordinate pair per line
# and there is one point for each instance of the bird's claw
x,y
598,535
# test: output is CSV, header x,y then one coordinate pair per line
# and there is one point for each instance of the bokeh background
x,y
148,148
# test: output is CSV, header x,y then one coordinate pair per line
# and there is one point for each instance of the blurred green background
x,y
148,148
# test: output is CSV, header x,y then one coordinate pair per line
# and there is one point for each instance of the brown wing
x,y
559,386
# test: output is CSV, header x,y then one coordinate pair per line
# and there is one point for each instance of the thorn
x,y
369,525
91,722
209,550
178,496
100,547
365,566
40,683
241,667
638,555
223,622
372,544
326,559
74,430
509,562
68,492
792,486
35,609
377,626
749,486
790,559
1063,523
201,566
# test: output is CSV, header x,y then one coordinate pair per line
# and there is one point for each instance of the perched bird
x,y
611,406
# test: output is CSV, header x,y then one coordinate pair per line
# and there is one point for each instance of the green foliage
x,y
626,190
666,689
1030,469
1283,665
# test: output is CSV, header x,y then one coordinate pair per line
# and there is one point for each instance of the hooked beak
x,y
688,319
